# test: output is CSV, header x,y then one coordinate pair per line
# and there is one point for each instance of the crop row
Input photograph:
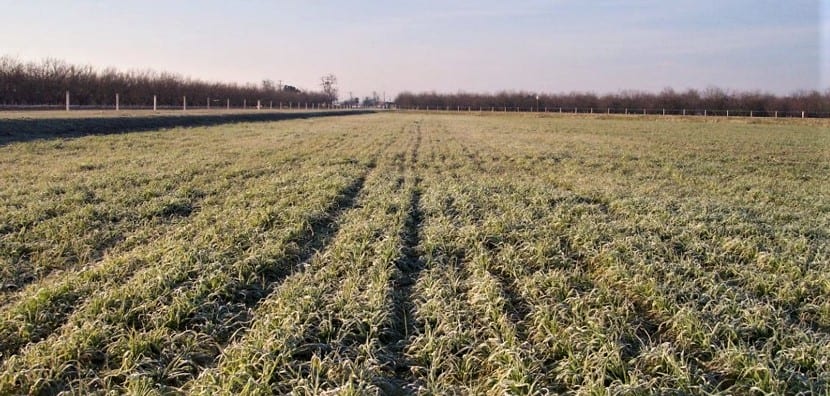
x,y
576,285
165,307
410,253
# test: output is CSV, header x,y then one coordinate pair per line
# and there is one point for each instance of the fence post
x,y
684,111
664,111
704,112
271,105
67,100
644,111
207,105
776,114
727,112
802,114
626,111
228,103
258,104
184,103
116,102
244,104
155,103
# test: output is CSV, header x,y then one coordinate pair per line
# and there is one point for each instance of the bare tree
x,y
329,85
45,83
672,101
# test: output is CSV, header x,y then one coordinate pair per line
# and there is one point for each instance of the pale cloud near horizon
x,y
543,46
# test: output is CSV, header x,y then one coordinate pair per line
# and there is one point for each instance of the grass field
x,y
419,253
24,126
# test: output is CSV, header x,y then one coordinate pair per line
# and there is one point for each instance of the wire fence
x,y
626,111
159,107
208,103
227,104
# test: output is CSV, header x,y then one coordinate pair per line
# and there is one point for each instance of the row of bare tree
x,y
45,83
813,102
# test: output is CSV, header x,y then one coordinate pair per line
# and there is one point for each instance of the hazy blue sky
x,y
389,46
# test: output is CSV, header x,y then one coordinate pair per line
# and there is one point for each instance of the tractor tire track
x,y
395,339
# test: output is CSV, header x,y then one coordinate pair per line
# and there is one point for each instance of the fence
x,y
227,105
626,111
209,103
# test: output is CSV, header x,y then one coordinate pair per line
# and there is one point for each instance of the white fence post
x,y
228,103
155,102
208,103
802,115
258,104
184,103
116,102
67,100
244,104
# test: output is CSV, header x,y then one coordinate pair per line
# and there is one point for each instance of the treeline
x,y
46,83
672,101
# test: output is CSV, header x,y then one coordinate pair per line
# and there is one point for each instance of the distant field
x,y
406,253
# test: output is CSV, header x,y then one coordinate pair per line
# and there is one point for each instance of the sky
x,y
546,46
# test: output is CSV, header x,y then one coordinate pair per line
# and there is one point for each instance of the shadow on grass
x,y
24,130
